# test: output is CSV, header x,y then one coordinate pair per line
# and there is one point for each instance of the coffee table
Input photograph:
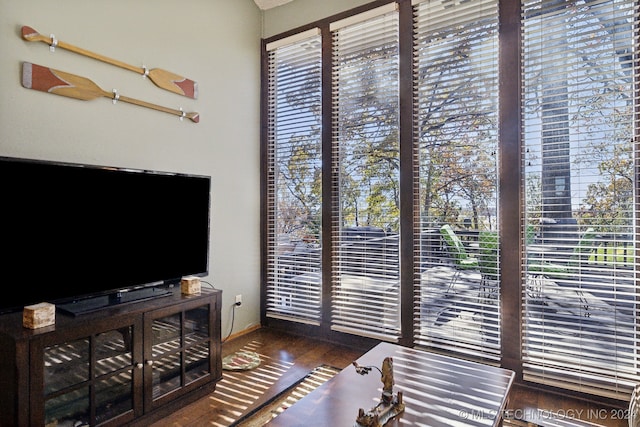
x,y
437,390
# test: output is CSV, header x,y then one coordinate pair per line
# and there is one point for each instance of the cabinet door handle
x,y
149,362
139,365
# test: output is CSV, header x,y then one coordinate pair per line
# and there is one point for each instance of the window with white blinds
x,y
294,186
456,258
580,288
365,141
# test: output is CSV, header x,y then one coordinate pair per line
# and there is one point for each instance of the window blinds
x,y
455,74
365,181
294,162
580,307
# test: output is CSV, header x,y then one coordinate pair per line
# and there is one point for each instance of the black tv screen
x,y
71,231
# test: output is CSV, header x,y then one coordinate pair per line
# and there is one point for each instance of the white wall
x,y
214,42
300,12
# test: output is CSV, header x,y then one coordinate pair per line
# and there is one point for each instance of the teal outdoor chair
x,y
559,271
458,254
581,254
488,243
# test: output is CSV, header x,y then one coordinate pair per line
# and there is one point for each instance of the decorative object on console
x,y
60,83
190,285
39,315
161,78
389,405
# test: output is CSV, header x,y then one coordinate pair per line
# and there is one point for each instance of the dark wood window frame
x,y
510,184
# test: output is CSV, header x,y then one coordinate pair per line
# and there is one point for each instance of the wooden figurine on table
x,y
387,379
389,406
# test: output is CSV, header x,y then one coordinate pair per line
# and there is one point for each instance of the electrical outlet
x,y
239,300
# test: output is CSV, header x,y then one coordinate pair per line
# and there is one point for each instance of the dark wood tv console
x,y
124,365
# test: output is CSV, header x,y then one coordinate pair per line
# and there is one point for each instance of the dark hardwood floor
x,y
554,409
286,359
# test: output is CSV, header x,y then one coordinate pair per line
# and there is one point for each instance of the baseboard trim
x,y
243,332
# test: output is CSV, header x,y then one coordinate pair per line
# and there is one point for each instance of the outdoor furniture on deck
x,y
458,254
488,244
564,272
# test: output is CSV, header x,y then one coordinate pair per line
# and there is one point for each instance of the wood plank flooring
x,y
286,359
556,410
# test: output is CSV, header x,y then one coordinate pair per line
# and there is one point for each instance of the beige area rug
x,y
273,408
242,360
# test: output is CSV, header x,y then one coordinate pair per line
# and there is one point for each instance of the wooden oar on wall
x,y
60,83
161,78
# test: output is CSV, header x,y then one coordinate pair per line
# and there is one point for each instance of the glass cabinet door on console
x,y
126,365
88,380
114,360
66,382
179,356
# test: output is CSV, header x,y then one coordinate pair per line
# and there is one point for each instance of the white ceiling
x,y
268,4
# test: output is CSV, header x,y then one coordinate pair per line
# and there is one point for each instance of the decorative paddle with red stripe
x,y
60,83
161,78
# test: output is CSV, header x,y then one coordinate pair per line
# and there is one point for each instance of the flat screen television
x,y
86,236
